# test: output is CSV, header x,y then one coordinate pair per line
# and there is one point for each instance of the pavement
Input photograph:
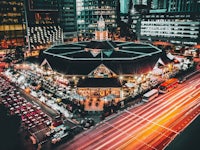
x,y
52,113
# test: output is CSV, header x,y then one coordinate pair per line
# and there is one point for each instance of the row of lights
x,y
138,78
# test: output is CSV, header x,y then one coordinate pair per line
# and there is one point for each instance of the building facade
x,y
42,23
124,6
184,6
12,29
88,13
177,28
67,15
176,21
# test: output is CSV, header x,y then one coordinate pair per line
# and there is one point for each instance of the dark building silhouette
x,y
67,15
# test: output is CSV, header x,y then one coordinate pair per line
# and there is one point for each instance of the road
x,y
150,126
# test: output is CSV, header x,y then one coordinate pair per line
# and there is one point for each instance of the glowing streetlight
x,y
139,79
74,78
121,77
135,77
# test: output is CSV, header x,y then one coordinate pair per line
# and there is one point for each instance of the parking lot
x,y
33,118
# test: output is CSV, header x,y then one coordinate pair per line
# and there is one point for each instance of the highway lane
x,y
150,128
141,125
169,115
179,110
155,139
130,126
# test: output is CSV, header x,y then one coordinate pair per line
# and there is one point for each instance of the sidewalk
x,y
52,113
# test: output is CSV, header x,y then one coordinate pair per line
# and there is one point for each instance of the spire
x,y
101,23
101,33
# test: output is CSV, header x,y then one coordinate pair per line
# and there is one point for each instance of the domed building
x,y
100,64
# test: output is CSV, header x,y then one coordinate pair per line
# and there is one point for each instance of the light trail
x,y
180,103
110,135
124,145
149,126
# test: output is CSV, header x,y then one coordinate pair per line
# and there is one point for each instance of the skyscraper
x,y
124,6
184,6
177,21
159,5
89,11
67,15
12,29
42,23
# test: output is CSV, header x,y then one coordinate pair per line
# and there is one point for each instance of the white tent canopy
x,y
108,97
77,96
170,56
130,85
159,62
157,71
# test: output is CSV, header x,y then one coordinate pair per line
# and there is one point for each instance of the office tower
x,y
160,5
67,15
88,13
176,21
124,6
12,29
43,23
140,2
184,6
142,6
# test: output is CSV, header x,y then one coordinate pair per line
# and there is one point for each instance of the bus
x,y
150,95
168,85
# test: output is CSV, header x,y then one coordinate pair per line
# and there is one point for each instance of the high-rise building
x,y
177,28
142,6
89,11
67,15
124,6
12,29
140,2
42,23
159,6
184,6
176,21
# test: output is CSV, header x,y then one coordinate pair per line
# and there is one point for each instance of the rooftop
x,y
81,58
102,50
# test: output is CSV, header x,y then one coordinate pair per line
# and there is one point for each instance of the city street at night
x,y
150,126
99,74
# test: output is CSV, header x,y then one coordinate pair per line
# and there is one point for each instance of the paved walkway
x,y
52,113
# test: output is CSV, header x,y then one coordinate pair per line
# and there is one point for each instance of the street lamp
x,y
121,78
